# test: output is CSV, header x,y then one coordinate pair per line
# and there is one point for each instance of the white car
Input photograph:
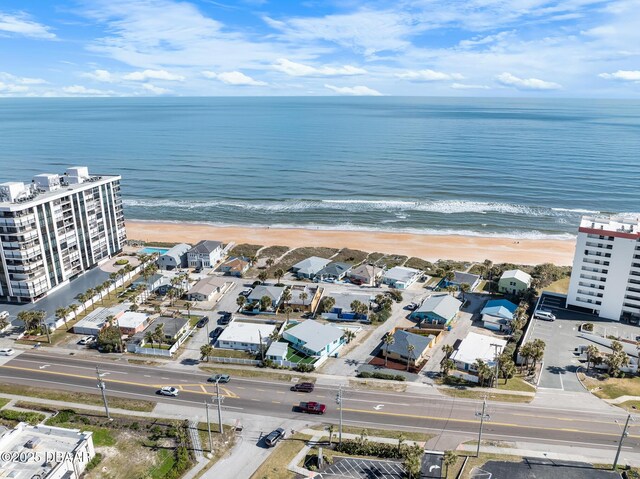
x,y
168,391
545,315
6,352
87,340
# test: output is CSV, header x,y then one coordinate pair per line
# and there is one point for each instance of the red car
x,y
312,407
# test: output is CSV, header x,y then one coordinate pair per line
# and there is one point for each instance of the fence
x,y
164,352
250,362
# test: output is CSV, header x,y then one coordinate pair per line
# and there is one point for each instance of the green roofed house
x,y
514,281
437,309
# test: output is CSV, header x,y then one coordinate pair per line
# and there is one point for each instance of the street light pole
x,y
496,360
482,418
339,402
103,388
206,405
624,434
219,400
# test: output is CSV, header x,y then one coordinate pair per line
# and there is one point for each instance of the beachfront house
x,y
304,297
514,281
211,288
400,277
176,257
365,275
497,315
308,268
342,309
235,267
246,336
272,292
205,254
437,309
460,278
476,346
334,271
312,338
399,349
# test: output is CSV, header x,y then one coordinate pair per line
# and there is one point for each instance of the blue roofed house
x,y
308,268
437,309
342,311
315,339
333,271
497,314
459,278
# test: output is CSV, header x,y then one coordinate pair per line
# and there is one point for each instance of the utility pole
x,y
219,401
339,403
206,406
624,434
496,361
103,388
482,418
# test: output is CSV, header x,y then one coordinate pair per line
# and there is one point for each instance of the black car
x,y
225,318
202,323
216,332
303,387
273,437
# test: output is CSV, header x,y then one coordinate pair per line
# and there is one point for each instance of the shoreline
x,y
430,247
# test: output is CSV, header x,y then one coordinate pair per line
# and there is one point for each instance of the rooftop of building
x,y
205,247
614,224
401,274
207,286
516,274
315,336
131,319
36,439
99,316
478,346
444,305
402,340
250,333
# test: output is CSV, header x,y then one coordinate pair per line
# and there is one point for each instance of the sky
x,y
493,48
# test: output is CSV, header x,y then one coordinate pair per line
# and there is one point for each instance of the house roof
x,y
517,274
236,263
334,269
278,349
273,292
478,346
489,318
460,277
249,333
344,300
444,305
177,250
402,340
171,325
97,317
207,286
315,336
152,280
365,271
205,247
131,320
499,307
297,290
401,274
310,265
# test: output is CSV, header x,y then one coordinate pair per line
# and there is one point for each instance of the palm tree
x,y
464,288
188,306
73,307
240,301
447,349
288,310
526,351
388,341
410,349
304,296
149,337
448,459
592,352
349,335
327,304
4,322
278,274
446,366
270,262
61,313
206,351
330,431
262,276
451,289
449,276
91,293
27,318
274,336
286,296
106,287
507,368
159,333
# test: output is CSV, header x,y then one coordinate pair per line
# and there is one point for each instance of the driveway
x,y
353,468
533,468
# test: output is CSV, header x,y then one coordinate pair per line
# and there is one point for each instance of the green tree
x,y
265,303
464,288
110,339
188,305
159,333
61,313
303,297
388,341
327,304
410,354
349,335
484,371
449,276
446,365
448,459
447,349
278,274
240,301
413,462
507,368
592,352
206,351
286,296
269,262
149,337
73,307
262,276
288,310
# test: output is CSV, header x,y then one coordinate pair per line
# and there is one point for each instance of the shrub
x,y
377,375
305,368
32,418
94,462
587,327
122,262
364,374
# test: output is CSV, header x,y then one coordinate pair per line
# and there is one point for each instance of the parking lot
x,y
561,338
363,469
533,468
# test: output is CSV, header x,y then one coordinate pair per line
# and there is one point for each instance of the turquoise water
x,y
507,167
150,250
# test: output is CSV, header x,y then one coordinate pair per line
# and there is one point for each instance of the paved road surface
x,y
407,411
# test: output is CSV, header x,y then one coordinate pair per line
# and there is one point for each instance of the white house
x,y
176,257
209,289
514,281
400,277
315,339
277,351
307,268
205,254
93,322
477,346
246,336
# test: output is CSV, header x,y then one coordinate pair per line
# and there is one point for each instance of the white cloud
x,y
155,89
153,75
80,90
104,76
465,86
233,78
301,70
624,75
21,24
429,75
353,90
10,88
508,79
8,77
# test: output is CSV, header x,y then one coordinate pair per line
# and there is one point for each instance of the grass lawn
x,y
471,394
418,263
275,467
232,353
274,251
631,406
254,373
297,357
77,397
614,387
391,260
408,436
516,384
4,402
299,254
351,256
246,250
560,286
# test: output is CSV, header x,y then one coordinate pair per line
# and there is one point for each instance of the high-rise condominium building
x,y
605,278
55,228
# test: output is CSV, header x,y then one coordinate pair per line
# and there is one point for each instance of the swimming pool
x,y
150,250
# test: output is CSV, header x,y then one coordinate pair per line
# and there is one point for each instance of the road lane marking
x,y
203,389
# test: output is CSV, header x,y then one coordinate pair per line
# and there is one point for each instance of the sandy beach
x,y
429,247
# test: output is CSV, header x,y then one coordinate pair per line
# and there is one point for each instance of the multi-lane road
x,y
429,412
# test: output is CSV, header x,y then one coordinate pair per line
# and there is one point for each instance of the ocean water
x,y
493,167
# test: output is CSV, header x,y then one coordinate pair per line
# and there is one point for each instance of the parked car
x,y
6,352
219,378
545,315
274,436
412,306
246,292
198,269
312,407
216,332
225,317
87,340
168,391
303,387
202,323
